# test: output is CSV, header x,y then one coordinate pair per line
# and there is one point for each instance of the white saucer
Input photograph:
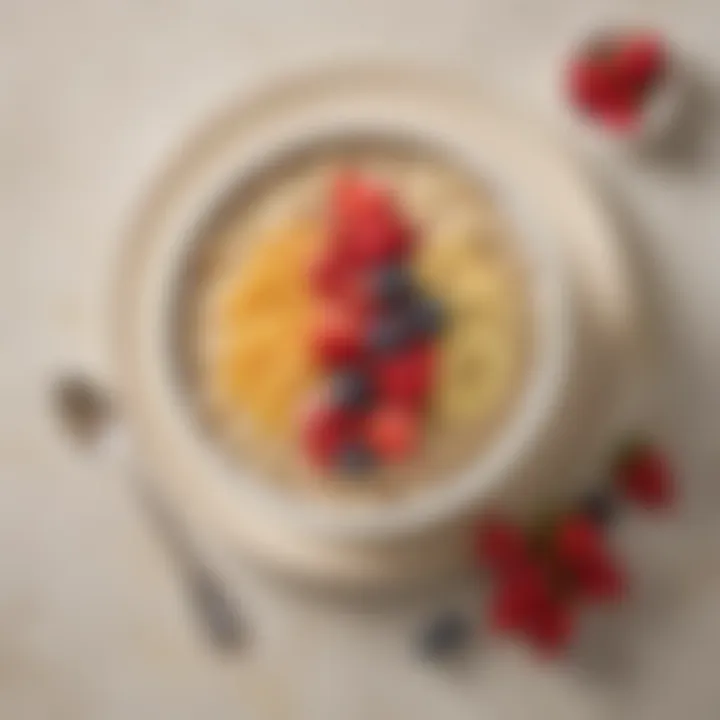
x,y
603,378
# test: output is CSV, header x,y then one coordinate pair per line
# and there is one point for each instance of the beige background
x,y
93,95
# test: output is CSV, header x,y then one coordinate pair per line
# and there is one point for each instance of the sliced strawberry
x,y
645,476
393,431
338,336
407,375
501,546
324,429
640,60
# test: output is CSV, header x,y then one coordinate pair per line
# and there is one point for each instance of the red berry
x,y
327,273
377,238
501,546
354,197
640,60
590,84
622,114
579,543
646,477
518,598
324,429
338,336
551,626
604,581
407,375
393,431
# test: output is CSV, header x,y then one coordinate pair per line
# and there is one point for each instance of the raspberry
x,y
337,336
501,546
518,598
392,431
551,627
406,376
645,476
327,273
590,84
640,60
621,114
579,542
324,429
602,582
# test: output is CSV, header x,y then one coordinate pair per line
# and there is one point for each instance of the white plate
x,y
571,428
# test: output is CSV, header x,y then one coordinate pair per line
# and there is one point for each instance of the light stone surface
x,y
94,94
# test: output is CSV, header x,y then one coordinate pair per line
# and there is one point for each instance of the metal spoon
x,y
86,411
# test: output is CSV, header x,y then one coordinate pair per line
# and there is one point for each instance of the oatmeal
x,y
359,325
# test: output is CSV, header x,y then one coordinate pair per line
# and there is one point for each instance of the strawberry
x,y
640,60
579,543
501,546
406,376
392,431
645,476
518,598
324,429
337,336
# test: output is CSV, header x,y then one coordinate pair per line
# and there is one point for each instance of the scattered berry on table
x,y
645,476
602,582
518,596
446,634
579,542
551,627
501,546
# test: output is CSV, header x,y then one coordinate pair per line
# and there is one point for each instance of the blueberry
x,y
445,635
350,389
426,317
388,334
599,505
356,458
392,284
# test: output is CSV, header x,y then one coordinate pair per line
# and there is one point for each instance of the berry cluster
x,y
611,80
540,580
375,335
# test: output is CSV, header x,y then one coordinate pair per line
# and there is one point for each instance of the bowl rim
x,y
548,290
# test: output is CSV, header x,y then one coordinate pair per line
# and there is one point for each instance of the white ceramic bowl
x,y
657,117
551,329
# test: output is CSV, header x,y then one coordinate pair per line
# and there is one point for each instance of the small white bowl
x,y
657,116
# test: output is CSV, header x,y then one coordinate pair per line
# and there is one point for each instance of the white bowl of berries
x,y
624,86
